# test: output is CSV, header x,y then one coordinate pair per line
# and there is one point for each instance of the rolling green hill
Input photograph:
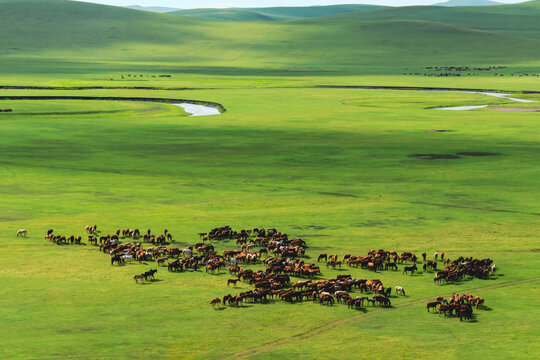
x,y
467,3
158,9
63,32
518,19
274,13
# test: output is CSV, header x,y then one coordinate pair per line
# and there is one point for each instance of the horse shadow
x,y
149,282
416,273
267,302
216,274
242,305
220,308
455,282
472,320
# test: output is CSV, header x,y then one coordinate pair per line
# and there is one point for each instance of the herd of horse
x,y
283,258
325,292
134,234
478,268
458,305
63,240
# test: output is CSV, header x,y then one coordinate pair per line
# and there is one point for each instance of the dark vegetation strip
x,y
116,98
15,87
372,87
70,113
320,329
419,88
475,208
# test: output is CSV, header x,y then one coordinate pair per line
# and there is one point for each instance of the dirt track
x,y
256,350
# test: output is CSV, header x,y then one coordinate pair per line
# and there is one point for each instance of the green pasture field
x,y
337,167
329,165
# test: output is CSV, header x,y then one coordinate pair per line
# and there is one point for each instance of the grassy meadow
x,y
330,165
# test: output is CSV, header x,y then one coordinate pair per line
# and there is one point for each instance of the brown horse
x,y
445,309
326,299
432,305
215,301
117,258
138,277
232,281
478,301
410,269
322,256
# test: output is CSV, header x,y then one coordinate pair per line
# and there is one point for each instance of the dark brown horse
x,y
118,259
432,305
410,269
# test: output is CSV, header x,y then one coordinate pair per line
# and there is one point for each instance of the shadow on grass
x,y
362,309
149,282
216,274
472,320
240,306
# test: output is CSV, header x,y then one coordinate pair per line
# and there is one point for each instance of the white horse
x,y
399,289
22,232
127,257
493,269
187,252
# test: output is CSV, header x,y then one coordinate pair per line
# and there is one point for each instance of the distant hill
x,y
274,13
516,19
467,3
158,9
52,34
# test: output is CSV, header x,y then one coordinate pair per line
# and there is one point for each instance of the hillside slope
x,y
62,31
274,13
518,19
467,3
158,9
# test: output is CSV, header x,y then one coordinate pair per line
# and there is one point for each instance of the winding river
x,y
472,107
199,110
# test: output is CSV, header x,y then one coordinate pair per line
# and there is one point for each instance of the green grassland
x,y
330,165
